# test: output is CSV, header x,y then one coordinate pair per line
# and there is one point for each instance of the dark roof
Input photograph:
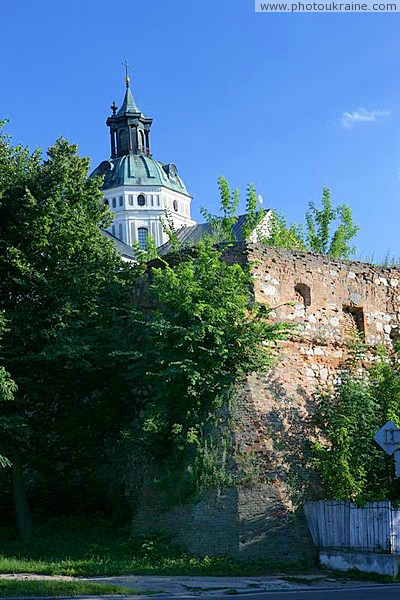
x,y
137,169
129,105
190,236
122,248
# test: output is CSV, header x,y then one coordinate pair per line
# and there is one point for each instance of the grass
x,y
80,548
168,565
26,587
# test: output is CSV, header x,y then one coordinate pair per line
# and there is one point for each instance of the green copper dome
x,y
139,169
131,162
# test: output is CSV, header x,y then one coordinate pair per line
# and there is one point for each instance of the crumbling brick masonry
x,y
332,300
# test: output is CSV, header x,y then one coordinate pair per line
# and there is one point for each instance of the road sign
x,y
388,437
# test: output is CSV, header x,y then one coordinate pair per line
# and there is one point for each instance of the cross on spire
x,y
127,67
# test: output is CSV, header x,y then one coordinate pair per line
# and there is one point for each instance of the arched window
x,y
123,140
114,202
121,200
175,205
141,200
142,232
106,202
303,294
353,321
141,140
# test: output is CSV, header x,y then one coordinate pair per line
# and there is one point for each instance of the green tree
x,y
221,225
282,235
7,391
317,235
327,230
254,215
351,465
202,335
320,239
61,287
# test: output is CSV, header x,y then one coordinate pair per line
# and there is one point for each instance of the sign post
x,y
388,438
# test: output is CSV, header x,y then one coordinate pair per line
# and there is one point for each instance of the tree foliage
x,y
7,390
62,287
327,230
351,465
103,352
282,235
320,239
221,225
204,333
254,215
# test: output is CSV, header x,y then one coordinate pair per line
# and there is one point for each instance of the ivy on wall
x,y
350,464
202,335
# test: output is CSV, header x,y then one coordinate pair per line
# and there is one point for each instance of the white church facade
x,y
139,189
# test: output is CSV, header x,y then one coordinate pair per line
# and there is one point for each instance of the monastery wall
x,y
330,300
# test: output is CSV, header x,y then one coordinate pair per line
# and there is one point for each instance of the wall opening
x,y
143,232
303,294
353,321
123,141
141,140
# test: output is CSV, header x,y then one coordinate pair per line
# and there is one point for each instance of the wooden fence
x,y
341,525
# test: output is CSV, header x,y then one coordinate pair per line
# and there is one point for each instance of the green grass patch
x,y
80,548
361,576
54,587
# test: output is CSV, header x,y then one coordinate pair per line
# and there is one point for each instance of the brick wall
x,y
333,299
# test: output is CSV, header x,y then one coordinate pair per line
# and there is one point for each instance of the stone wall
x,y
332,300
208,526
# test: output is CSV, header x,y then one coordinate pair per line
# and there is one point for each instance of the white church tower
x,y
137,188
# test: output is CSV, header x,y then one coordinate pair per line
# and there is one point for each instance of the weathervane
x,y
127,67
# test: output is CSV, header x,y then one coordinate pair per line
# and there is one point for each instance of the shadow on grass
x,y
26,587
77,547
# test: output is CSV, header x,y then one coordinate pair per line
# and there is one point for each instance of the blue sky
x,y
256,97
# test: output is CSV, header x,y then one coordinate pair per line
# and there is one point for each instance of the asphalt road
x,y
376,592
379,592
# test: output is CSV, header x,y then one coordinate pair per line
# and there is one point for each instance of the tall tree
x,y
328,230
254,215
221,225
348,460
320,239
7,391
282,235
203,334
61,283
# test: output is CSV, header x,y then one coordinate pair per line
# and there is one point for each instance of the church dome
x,y
139,169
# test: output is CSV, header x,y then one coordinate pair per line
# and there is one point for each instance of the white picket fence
x,y
341,525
